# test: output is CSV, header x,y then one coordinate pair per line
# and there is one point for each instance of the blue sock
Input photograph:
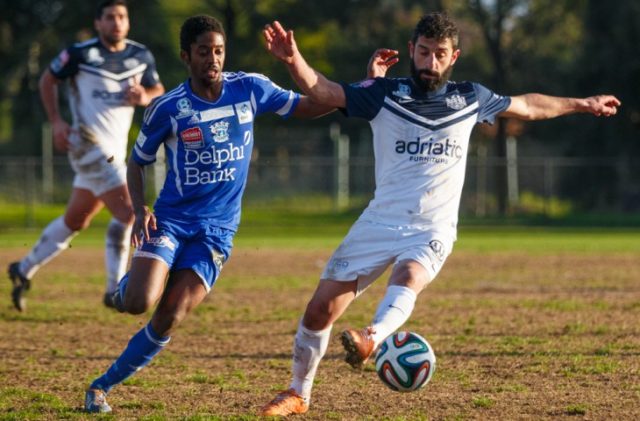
x,y
139,352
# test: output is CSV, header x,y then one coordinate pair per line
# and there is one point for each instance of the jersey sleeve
x,y
66,63
150,76
364,98
266,97
156,126
490,104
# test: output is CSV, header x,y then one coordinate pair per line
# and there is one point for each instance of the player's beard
x,y
429,85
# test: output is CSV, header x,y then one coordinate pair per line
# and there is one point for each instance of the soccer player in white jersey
x,y
108,76
206,127
421,126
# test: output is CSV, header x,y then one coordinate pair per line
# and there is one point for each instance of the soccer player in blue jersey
x,y
421,127
108,76
206,127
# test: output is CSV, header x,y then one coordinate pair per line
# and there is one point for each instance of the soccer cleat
x,y
359,345
20,285
95,400
285,403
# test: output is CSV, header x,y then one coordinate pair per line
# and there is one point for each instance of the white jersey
x,y
98,80
420,143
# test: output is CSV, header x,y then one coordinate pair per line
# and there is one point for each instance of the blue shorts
x,y
201,247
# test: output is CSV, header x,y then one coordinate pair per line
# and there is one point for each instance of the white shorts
x,y
369,248
98,176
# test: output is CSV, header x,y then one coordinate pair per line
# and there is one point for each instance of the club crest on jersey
x,y
94,57
220,131
456,102
184,108
192,138
404,91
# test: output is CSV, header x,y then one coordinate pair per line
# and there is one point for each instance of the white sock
x,y
393,311
54,239
116,254
308,349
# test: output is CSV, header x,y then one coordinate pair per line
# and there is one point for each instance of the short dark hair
x,y
196,25
108,3
437,26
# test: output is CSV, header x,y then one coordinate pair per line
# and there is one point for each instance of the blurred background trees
x,y
559,47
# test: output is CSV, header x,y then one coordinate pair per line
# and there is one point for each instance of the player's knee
x,y
318,315
138,304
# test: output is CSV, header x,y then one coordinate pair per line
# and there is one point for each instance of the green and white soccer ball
x,y
405,362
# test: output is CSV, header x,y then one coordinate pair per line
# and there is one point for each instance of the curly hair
x,y
196,25
437,26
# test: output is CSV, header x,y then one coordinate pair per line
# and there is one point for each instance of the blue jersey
x,y
208,145
420,142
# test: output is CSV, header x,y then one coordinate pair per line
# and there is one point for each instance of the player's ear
x,y
184,56
454,56
410,45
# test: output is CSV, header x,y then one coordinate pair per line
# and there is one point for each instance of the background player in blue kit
x,y
108,76
206,127
421,127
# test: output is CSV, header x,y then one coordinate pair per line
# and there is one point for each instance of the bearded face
x,y
429,80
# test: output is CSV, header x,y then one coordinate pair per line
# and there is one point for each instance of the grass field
x,y
526,323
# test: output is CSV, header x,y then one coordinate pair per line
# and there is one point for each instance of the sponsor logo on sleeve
x,y
141,139
244,112
192,138
59,62
365,83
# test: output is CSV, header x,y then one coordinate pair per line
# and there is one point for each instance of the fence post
x,y
341,165
512,172
481,176
47,163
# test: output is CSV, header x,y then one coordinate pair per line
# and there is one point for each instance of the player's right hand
x,y
61,132
381,61
144,219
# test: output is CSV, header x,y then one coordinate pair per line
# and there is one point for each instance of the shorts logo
x,y
340,264
456,102
438,249
162,241
220,131
218,259
192,138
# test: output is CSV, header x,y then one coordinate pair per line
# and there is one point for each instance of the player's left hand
x,y
381,61
136,95
602,105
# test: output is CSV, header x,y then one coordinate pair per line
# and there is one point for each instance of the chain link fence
x,y
545,186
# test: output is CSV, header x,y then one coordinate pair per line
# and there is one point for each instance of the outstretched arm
x,y
541,107
282,45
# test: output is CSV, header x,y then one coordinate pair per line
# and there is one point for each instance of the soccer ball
x,y
405,362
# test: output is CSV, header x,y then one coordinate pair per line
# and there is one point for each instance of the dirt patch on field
x,y
516,336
